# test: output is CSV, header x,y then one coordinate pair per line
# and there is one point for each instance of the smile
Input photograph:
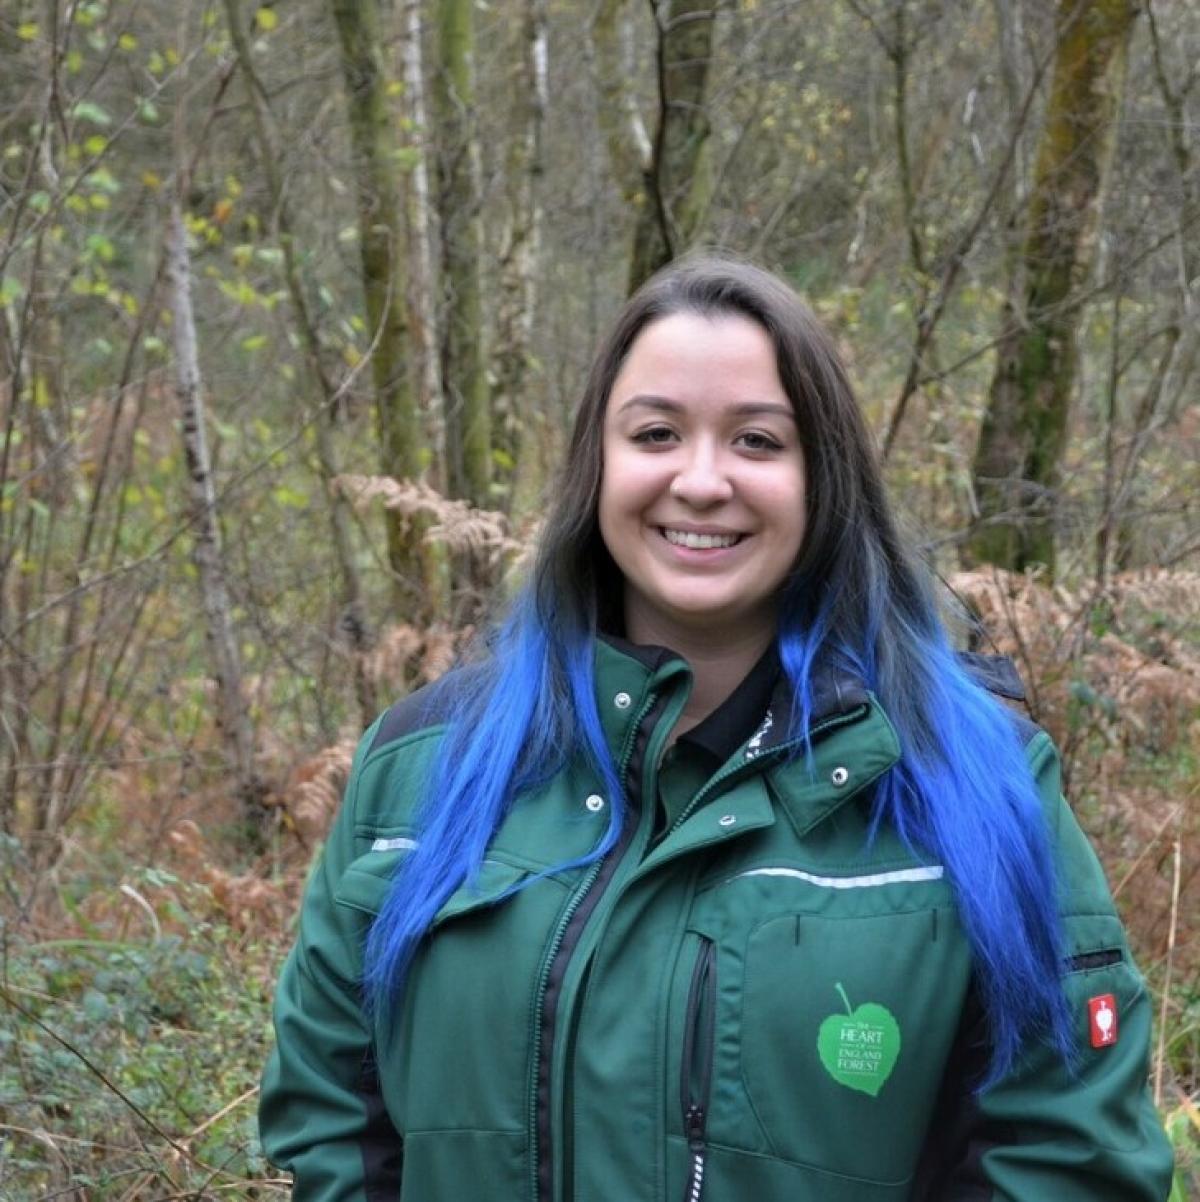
x,y
699,542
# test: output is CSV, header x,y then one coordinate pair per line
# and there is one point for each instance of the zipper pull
x,y
694,1125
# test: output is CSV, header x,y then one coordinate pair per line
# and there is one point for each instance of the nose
x,y
702,480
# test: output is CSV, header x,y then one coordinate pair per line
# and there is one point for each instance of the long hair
x,y
961,791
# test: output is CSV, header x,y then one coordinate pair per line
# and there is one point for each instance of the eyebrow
x,y
664,404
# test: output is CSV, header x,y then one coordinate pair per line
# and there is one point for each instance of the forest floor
x,y
137,968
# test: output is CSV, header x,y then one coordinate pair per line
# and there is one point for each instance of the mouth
x,y
694,541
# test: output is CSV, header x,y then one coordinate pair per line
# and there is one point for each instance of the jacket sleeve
x,y
1090,1133
321,1115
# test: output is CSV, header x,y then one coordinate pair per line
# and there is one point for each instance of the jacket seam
x,y
801,1164
405,740
410,1132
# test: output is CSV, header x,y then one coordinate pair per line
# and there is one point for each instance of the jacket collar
x,y
628,673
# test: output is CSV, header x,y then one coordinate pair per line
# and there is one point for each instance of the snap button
x,y
839,776
595,803
726,820
622,701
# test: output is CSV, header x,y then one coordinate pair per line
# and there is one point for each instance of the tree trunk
x,y
423,287
520,387
1178,357
372,137
1024,432
630,150
352,623
234,718
678,182
464,378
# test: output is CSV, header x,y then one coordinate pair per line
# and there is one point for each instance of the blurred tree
x,y
234,722
377,155
463,360
1017,469
678,180
353,621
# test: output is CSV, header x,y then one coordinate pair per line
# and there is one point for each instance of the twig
x,y
99,1073
216,1118
1166,989
147,908
1175,813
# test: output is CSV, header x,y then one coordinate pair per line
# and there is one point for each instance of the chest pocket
x,y
838,1000
453,1055
365,884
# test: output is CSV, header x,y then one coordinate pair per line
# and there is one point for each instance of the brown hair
x,y
575,575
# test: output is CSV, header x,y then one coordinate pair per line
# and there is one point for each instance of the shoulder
x,y
395,756
998,675
425,710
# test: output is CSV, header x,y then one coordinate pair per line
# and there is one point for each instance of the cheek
x,y
790,506
609,510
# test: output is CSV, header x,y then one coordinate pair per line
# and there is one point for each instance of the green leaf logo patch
x,y
859,1049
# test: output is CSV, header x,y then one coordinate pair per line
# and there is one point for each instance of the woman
x,y
723,877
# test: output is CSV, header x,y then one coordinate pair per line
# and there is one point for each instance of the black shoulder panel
x,y
426,707
998,674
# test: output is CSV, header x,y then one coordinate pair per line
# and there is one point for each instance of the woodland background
x,y
295,302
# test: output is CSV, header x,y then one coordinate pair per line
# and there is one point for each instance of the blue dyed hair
x,y
961,792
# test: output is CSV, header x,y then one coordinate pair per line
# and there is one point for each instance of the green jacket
x,y
753,1003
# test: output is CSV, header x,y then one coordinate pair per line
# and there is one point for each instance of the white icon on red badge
x,y
1102,1016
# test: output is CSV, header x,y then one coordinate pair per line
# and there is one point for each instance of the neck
x,y
720,660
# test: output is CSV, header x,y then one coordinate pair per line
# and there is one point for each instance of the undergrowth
x,y
129,1066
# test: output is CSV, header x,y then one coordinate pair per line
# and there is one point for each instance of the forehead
x,y
691,356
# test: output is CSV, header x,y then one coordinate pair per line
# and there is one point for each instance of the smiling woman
x,y
702,494
719,856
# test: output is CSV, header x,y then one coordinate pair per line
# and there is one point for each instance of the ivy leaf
x,y
291,498
101,247
89,110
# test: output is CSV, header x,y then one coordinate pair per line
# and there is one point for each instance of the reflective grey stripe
x,y
931,872
393,845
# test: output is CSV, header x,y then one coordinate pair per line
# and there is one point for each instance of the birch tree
x,y
233,714
519,395
422,276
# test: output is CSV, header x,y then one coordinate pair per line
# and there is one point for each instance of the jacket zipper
x,y
696,1064
561,948
541,1141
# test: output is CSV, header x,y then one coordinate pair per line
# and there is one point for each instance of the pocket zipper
x,y
695,1076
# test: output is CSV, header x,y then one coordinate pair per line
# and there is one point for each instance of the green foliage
x,y
178,1026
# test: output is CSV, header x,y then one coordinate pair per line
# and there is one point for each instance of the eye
x,y
759,440
655,436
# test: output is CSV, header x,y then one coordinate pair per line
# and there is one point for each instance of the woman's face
x,y
702,501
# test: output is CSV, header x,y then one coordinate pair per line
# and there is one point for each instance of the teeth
x,y
700,542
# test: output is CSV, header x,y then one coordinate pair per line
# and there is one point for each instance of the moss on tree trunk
x,y
1017,469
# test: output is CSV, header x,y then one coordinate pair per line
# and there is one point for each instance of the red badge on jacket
x,y
1102,1020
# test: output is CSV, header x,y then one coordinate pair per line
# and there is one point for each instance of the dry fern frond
x,y
396,648
453,522
1146,695
441,649
312,794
